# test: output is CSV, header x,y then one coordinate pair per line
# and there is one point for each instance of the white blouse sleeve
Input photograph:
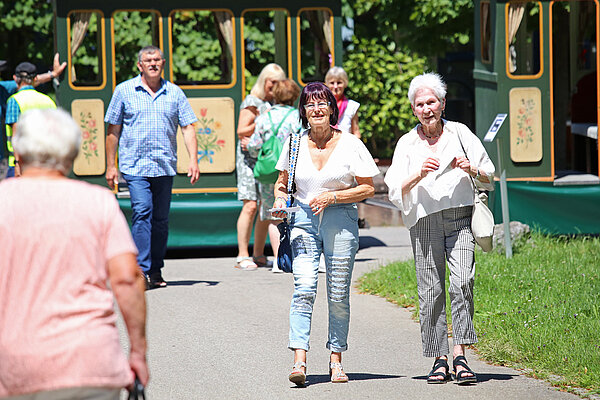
x,y
283,162
396,174
363,164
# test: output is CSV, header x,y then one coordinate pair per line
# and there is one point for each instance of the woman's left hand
x,y
462,163
322,201
244,143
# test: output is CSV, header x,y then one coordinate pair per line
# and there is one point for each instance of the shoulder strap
x,y
276,130
292,161
464,151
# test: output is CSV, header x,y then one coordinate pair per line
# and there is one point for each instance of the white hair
x,y
429,80
47,138
337,72
270,71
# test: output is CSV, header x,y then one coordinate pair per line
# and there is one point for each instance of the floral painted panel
x,y
215,133
89,115
526,136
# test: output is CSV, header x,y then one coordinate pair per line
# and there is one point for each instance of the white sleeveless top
x,y
345,120
349,159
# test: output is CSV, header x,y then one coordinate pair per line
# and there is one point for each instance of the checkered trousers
x,y
437,238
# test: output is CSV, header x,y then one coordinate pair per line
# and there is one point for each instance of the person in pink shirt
x,y
67,253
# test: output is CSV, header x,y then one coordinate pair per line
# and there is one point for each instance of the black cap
x,y
26,70
3,65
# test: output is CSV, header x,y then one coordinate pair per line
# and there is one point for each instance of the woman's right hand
x,y
430,165
280,202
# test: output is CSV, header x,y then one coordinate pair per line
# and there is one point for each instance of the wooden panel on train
x,y
526,139
215,133
89,115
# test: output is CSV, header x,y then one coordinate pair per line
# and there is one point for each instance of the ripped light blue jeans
x,y
335,234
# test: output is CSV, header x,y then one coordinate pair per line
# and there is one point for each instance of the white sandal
x,y
338,377
297,376
245,263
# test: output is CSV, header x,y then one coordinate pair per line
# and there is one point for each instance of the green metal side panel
x,y
552,209
205,219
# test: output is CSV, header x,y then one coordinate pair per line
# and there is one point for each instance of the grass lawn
x,y
539,310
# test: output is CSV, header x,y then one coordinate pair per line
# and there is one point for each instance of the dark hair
x,y
318,91
285,92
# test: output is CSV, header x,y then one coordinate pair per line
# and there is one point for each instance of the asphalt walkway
x,y
220,333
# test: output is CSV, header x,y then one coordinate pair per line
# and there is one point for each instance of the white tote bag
x,y
482,220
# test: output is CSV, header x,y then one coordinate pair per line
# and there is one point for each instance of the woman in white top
x,y
430,181
334,170
336,80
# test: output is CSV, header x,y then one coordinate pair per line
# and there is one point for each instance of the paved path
x,y
220,333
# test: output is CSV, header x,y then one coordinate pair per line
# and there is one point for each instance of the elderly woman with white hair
x,y
66,250
430,180
336,80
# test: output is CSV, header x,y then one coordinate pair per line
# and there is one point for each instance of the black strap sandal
x,y
460,379
439,363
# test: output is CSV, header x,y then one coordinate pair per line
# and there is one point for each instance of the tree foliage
x,y
395,40
429,27
26,32
379,79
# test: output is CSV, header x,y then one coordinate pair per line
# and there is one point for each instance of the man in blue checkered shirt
x,y
142,118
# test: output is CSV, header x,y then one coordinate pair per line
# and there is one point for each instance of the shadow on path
x,y
191,283
480,377
369,241
352,376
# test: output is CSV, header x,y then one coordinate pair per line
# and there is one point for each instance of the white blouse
x,y
345,120
442,189
349,159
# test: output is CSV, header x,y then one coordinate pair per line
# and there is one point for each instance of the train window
x,y
266,36
523,22
485,32
132,30
316,44
86,48
202,47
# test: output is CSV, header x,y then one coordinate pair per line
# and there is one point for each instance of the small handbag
x,y
482,220
137,392
284,254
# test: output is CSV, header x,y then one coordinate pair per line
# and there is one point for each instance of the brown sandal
x,y
262,261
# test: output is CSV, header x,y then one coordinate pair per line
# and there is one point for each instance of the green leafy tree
x,y
430,27
199,54
395,40
379,79
26,32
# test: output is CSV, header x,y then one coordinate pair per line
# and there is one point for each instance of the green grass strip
x,y
538,311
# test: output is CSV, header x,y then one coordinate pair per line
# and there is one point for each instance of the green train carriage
x,y
537,61
214,51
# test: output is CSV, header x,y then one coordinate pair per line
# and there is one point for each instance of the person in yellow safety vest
x,y
26,98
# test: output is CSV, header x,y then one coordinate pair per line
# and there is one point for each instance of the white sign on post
x,y
494,128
